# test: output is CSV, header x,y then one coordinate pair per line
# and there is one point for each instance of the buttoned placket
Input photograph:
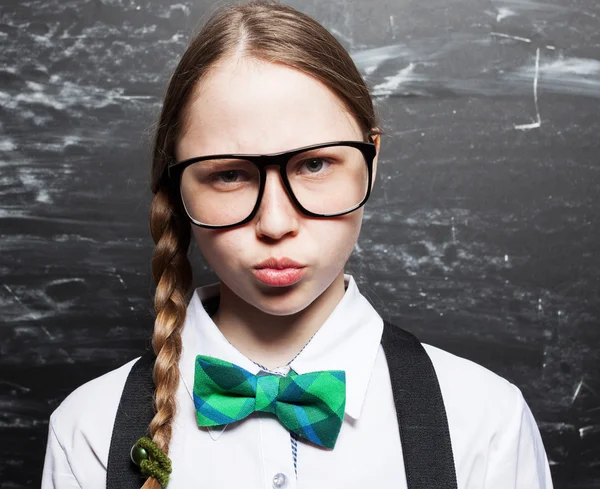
x,y
276,475
279,479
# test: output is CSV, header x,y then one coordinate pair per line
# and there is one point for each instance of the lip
x,y
281,272
278,264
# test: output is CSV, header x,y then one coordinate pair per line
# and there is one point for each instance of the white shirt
x,y
495,440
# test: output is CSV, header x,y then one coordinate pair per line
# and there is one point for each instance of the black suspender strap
x,y
134,414
424,434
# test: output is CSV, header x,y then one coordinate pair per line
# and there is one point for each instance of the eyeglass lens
x,y
325,181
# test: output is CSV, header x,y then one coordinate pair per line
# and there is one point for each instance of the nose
x,y
277,216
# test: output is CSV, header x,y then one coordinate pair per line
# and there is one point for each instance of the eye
x,y
228,176
313,165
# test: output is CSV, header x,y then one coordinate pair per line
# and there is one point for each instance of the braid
x,y
172,274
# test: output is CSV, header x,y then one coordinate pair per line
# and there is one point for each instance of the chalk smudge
x,y
538,122
368,60
566,75
394,82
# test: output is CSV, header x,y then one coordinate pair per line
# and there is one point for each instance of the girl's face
x,y
254,107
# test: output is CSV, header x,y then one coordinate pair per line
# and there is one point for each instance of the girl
x,y
282,374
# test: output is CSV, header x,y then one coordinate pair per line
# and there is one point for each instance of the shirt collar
x,y
348,340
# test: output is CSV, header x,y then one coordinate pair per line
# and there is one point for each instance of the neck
x,y
271,340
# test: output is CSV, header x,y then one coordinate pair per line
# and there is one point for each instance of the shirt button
x,y
279,480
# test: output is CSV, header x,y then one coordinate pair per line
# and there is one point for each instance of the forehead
x,y
250,106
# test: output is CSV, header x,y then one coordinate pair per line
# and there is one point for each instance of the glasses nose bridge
x,y
278,160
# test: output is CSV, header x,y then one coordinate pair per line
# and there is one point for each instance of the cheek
x,y
334,240
219,247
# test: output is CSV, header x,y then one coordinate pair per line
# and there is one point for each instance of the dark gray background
x,y
481,237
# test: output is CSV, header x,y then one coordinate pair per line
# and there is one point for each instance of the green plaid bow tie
x,y
311,405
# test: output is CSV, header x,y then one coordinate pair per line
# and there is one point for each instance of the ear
x,y
376,138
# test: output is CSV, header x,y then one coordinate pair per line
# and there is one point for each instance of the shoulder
x,y
474,395
462,380
465,385
489,420
83,422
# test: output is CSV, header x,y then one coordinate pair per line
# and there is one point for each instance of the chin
x,y
283,301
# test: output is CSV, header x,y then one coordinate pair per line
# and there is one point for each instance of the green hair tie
x,y
151,460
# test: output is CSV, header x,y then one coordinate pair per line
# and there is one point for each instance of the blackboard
x,y
482,236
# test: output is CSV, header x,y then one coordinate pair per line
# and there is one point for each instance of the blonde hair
x,y
259,29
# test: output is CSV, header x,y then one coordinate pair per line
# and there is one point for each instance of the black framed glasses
x,y
324,180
